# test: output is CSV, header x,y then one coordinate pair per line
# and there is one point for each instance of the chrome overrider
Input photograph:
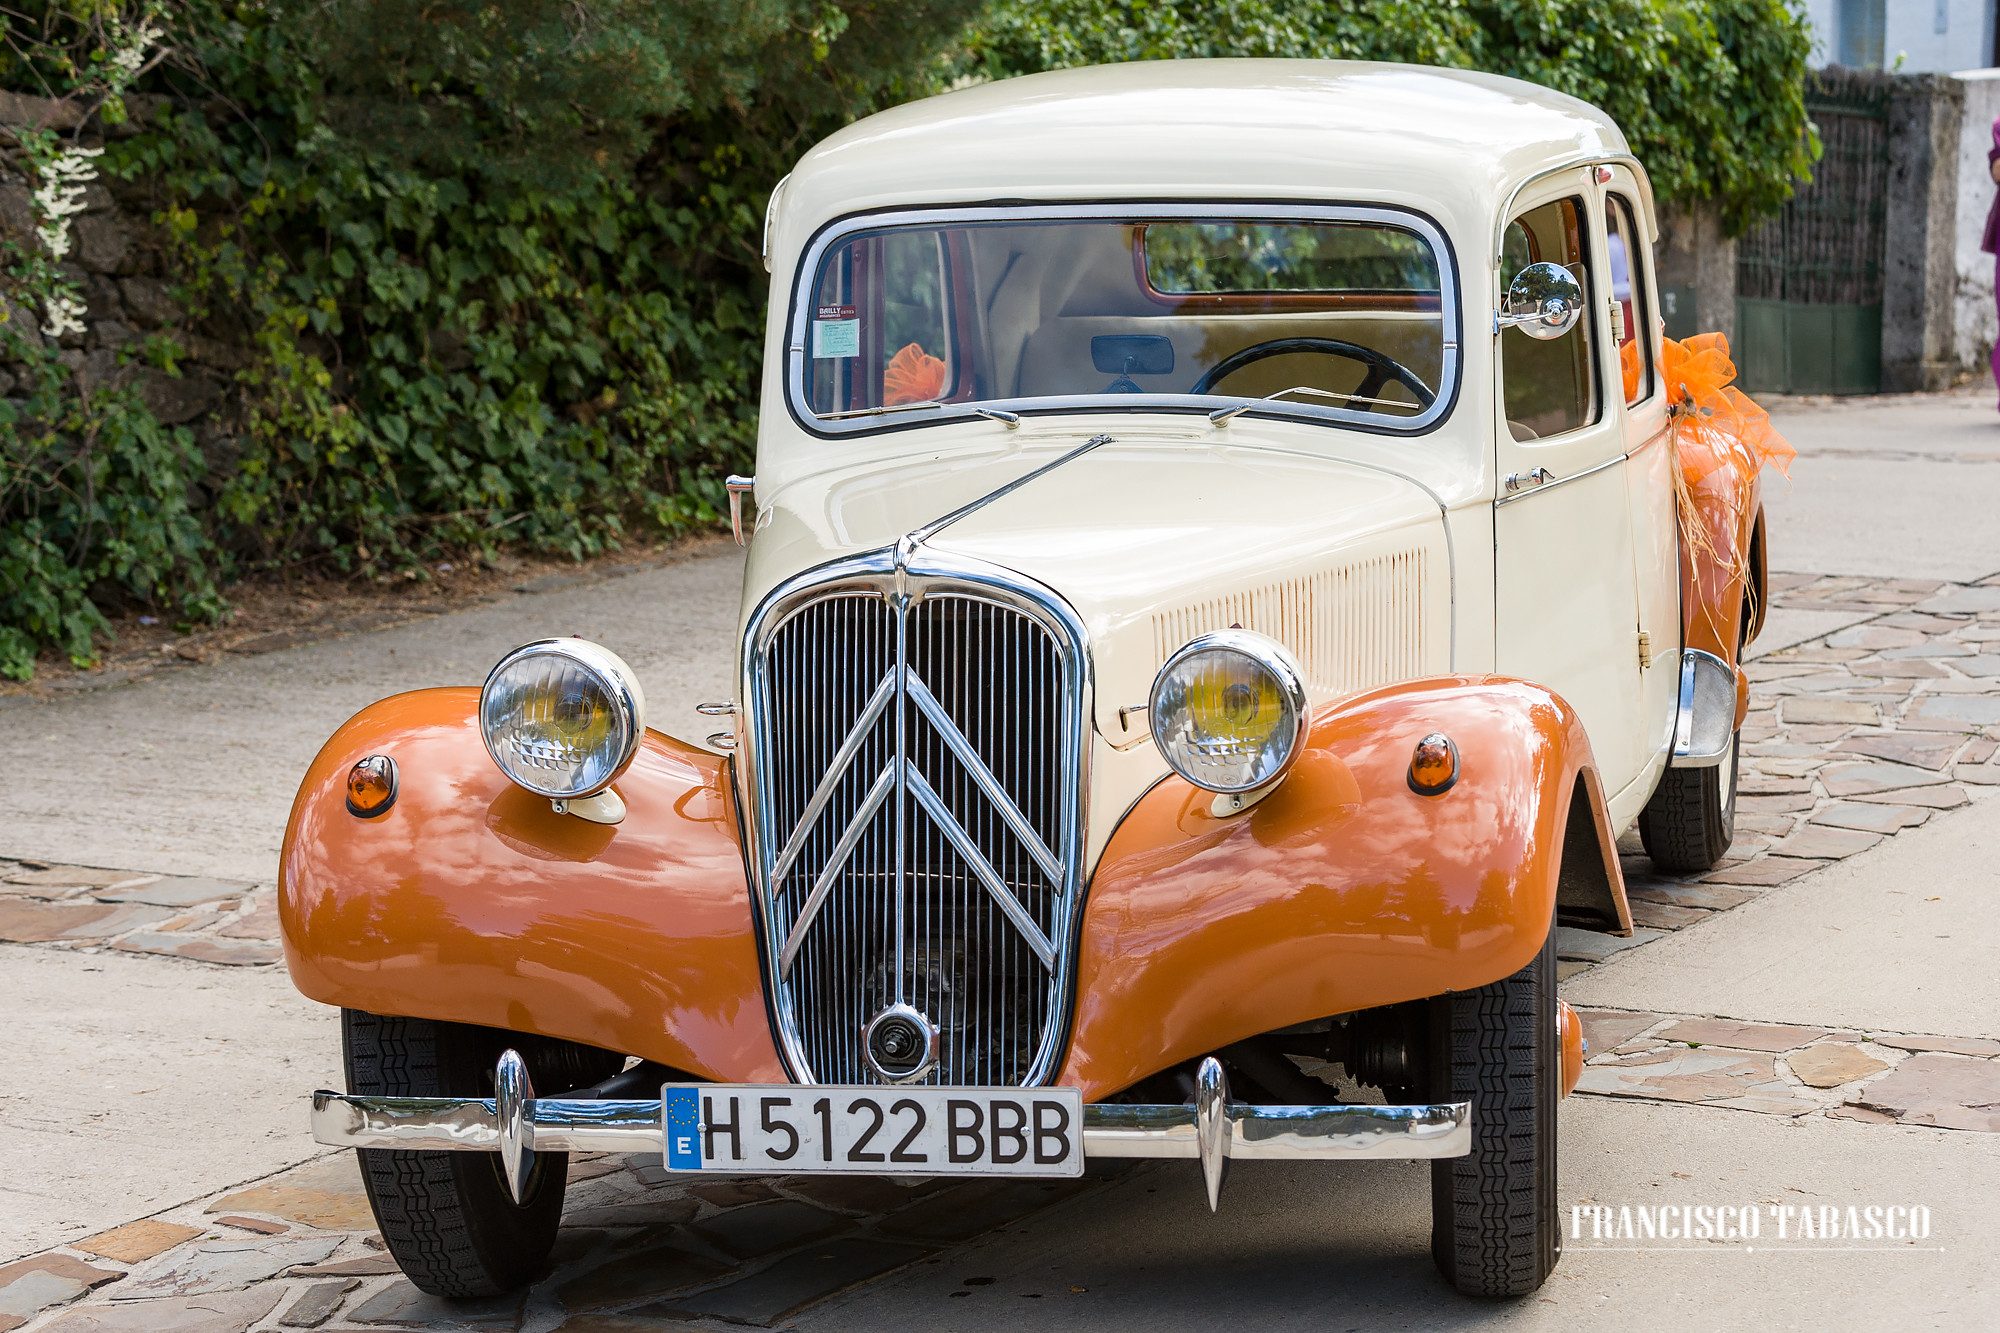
x,y
1213,1130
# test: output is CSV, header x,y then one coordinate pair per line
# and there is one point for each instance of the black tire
x,y
1690,820
1494,1220
447,1218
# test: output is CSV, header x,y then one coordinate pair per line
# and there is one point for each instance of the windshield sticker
x,y
836,332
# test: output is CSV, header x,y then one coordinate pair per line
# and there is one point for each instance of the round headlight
x,y
1229,711
562,717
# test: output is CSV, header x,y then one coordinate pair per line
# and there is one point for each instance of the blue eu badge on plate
x,y
683,1129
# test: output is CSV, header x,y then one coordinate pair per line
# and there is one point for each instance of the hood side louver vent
x,y
1352,627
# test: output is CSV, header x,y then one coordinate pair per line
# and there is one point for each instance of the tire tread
x,y
1494,1224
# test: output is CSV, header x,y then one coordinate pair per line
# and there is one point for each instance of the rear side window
x,y
1551,387
1629,317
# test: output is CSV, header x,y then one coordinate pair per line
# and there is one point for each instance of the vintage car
x,y
1214,600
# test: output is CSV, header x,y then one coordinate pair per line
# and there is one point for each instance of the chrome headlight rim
x,y
1267,654
611,674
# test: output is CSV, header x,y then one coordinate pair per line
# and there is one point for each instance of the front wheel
x,y
1690,820
1494,1221
448,1218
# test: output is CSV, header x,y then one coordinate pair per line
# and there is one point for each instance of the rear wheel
x,y
1494,1223
1691,818
448,1218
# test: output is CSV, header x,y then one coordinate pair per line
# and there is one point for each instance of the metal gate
x,y
1809,281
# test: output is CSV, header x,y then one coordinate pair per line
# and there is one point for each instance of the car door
x,y
1565,599
1649,454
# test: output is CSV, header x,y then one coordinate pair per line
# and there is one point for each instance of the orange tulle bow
x,y
912,376
1717,426
1721,440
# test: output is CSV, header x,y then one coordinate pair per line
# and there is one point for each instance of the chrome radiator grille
x,y
917,774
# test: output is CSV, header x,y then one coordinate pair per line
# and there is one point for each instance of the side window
x,y
1629,317
1550,387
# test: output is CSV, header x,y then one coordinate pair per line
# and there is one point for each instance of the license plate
x,y
770,1129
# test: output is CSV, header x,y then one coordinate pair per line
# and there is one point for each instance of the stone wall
x,y
117,263
1920,269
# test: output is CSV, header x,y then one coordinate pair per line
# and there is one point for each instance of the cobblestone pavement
x,y
1852,737
639,1249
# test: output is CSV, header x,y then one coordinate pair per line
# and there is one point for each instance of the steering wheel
x,y
1381,368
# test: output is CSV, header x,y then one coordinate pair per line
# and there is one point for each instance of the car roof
x,y
1453,144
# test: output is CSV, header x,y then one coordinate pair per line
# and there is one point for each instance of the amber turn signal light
x,y
371,786
1434,766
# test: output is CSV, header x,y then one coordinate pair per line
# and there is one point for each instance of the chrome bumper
x,y
1213,1131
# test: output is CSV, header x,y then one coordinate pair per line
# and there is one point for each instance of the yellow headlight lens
x,y
1228,711
561,717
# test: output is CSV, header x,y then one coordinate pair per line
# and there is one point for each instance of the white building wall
x,y
1931,36
1937,36
1824,15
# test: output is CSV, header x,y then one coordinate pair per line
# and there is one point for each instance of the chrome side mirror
x,y
1543,302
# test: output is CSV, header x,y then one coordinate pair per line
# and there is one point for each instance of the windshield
x,y
1341,317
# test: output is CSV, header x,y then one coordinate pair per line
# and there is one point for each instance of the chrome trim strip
x,y
471,1124
928,705
1137,210
1560,482
1254,1133
1651,440
1506,214
940,813
856,737
836,861
1283,1132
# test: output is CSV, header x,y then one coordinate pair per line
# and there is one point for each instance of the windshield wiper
x,y
877,411
1222,416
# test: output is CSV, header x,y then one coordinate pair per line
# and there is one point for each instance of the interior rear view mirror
x,y
1132,354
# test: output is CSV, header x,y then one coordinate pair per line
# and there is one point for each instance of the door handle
x,y
1521,481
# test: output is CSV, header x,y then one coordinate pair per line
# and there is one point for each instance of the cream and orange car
x,y
1213,602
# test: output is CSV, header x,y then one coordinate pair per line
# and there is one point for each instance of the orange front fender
x,y
472,901
1343,889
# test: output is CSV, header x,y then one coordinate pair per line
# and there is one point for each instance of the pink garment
x,y
1991,242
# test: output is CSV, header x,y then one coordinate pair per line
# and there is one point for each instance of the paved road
x,y
132,1083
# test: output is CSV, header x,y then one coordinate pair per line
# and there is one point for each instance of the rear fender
x,y
472,901
1343,889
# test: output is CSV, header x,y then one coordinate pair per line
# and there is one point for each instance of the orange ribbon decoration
x,y
912,376
1721,441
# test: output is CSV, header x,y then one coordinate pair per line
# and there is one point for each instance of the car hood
x,y
1152,540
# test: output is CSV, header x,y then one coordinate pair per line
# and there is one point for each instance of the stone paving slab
x,y
136,1242
1949,1091
1744,1036
1777,1069
231,1312
89,907
316,1304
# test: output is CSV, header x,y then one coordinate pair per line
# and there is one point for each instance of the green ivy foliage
x,y
500,264
1709,92
492,272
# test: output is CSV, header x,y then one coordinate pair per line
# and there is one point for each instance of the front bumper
x,y
1212,1130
